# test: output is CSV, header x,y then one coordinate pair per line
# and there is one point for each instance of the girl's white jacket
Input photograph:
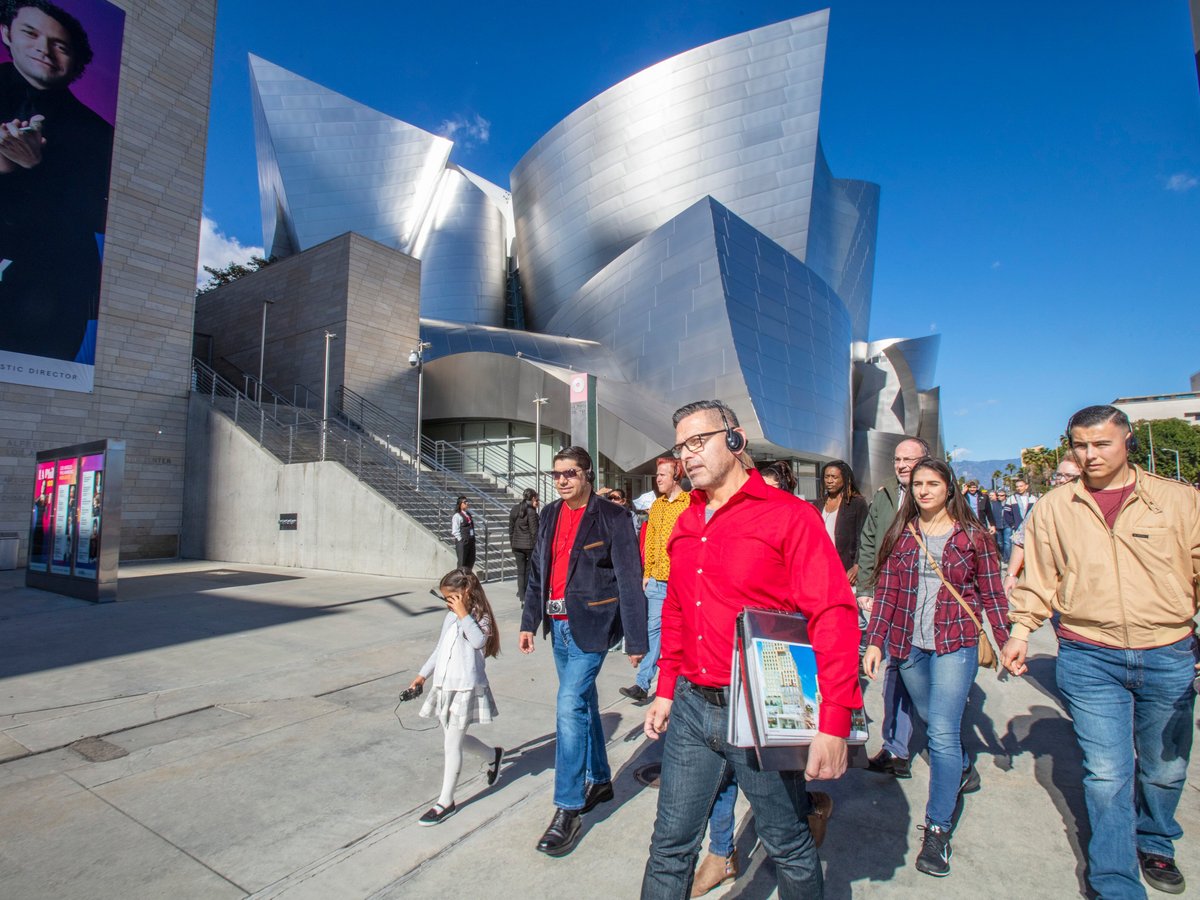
x,y
456,664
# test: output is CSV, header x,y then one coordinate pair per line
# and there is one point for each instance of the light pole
x,y
1176,452
417,358
1150,432
538,402
262,349
329,336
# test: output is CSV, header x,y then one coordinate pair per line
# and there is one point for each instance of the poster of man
x,y
59,69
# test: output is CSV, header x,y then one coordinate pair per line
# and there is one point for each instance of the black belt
x,y
712,695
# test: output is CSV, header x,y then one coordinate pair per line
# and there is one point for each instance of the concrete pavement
x,y
232,731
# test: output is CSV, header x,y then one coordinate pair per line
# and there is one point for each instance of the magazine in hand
x,y
775,694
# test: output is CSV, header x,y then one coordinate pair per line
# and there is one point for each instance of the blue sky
x,y
1039,162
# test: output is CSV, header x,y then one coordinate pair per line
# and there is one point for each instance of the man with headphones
x,y
665,511
1117,556
584,589
741,543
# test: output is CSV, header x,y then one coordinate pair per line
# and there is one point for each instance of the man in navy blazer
x,y
585,589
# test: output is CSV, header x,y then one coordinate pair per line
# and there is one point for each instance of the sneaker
x,y
1161,873
714,871
970,780
637,692
934,858
437,814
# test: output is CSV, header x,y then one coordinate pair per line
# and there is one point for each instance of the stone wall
x,y
146,301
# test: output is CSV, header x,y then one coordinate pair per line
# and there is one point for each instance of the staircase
x,y
296,434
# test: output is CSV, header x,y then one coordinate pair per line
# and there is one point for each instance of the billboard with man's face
x,y
59,68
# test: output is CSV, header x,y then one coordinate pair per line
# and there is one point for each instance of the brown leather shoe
x,y
822,812
714,871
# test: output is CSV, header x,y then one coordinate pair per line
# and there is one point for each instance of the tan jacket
x,y
1137,585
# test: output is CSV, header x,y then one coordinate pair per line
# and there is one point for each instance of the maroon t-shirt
x,y
1111,501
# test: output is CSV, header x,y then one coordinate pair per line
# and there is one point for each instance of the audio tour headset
x,y
734,441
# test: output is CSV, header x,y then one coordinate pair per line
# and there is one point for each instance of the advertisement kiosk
x,y
75,529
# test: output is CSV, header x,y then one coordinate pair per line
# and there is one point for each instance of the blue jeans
x,y
1004,542
720,820
580,757
695,758
938,686
897,725
656,593
1133,718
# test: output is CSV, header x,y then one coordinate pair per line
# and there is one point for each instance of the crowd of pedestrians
x,y
895,588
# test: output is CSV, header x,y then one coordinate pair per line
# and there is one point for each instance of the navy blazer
x,y
604,579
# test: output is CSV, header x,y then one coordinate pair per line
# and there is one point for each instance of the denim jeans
x,y
897,725
580,757
1132,711
656,593
693,770
720,820
938,686
1004,542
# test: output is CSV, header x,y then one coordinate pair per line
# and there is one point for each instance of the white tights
x,y
456,740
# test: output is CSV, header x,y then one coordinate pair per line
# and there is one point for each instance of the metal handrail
x,y
427,496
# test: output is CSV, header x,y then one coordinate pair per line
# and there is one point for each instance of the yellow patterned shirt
x,y
663,515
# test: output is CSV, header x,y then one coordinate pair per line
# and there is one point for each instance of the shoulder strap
x,y
938,570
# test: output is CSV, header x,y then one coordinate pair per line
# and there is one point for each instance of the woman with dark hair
x,y
462,529
844,511
937,577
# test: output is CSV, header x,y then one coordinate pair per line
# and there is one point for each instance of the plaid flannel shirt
x,y
969,563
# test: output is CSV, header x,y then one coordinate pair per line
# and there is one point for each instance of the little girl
x,y
461,695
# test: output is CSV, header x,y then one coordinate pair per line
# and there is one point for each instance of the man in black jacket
x,y
522,536
585,587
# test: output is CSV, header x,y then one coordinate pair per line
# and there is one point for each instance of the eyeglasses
x,y
695,443
907,459
564,475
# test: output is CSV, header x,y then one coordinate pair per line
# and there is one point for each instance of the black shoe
x,y
934,858
970,780
563,834
437,814
637,692
1161,873
494,769
598,793
897,766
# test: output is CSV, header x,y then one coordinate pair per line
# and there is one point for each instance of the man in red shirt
x,y
742,543
585,588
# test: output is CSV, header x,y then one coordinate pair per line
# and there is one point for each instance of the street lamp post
x,y
262,349
1150,432
329,336
538,402
417,358
1178,476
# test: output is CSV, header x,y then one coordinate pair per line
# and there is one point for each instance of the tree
x,y
996,477
1169,435
231,273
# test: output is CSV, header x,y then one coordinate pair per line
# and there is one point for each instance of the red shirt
x,y
565,530
768,549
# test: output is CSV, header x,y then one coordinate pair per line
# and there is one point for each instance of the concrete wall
x,y
146,299
236,491
365,293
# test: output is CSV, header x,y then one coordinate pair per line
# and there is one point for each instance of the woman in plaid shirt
x,y
919,623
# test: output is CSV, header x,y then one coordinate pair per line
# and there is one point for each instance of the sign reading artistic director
x,y
59,67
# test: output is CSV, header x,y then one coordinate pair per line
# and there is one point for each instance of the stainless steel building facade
x,y
680,236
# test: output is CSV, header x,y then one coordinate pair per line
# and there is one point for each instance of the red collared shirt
x,y
768,549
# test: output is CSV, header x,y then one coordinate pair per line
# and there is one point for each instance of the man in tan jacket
x,y
1117,556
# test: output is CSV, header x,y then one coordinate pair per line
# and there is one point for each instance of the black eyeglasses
x,y
695,443
564,475
619,498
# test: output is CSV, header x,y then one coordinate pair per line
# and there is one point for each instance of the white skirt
x,y
459,709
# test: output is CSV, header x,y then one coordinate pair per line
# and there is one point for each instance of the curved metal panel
x,y
463,255
735,119
336,165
